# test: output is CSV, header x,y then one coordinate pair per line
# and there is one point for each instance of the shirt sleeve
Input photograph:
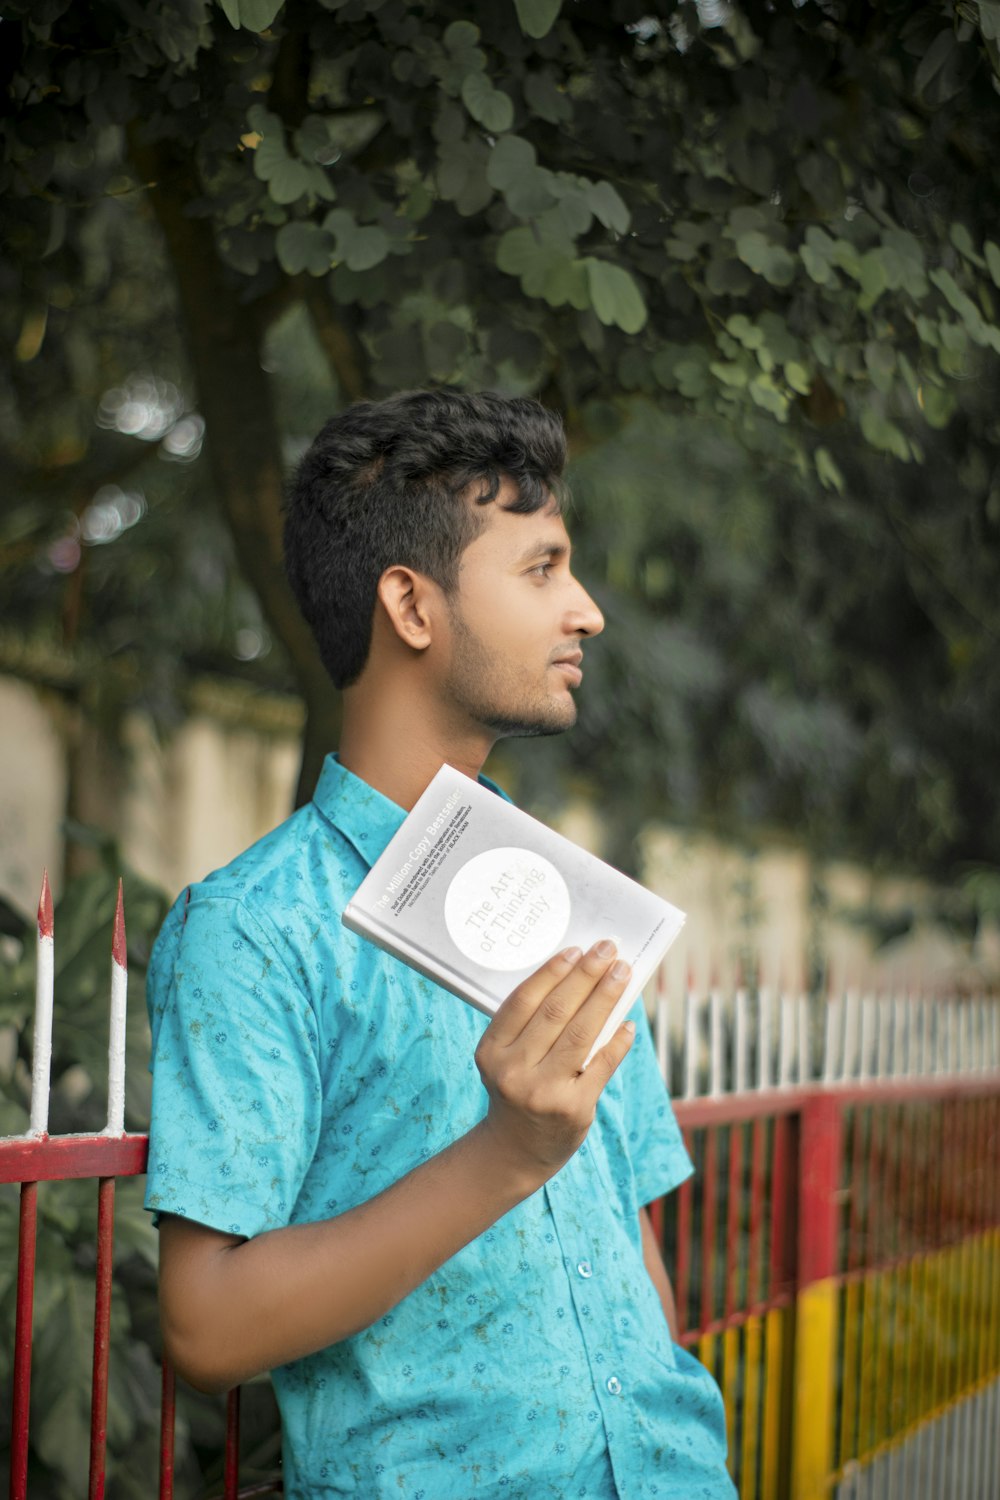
x,y
660,1161
236,1089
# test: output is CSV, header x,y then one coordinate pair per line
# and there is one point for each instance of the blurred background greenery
x,y
752,253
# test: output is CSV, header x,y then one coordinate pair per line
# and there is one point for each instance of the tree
x,y
772,218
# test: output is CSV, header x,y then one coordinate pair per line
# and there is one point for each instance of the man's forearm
x,y
231,1308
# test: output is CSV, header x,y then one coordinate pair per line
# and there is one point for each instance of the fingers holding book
x,y
532,1055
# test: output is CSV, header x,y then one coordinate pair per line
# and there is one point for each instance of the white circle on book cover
x,y
507,909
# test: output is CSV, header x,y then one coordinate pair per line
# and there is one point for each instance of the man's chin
x,y
554,721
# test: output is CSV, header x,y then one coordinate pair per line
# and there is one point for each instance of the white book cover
x,y
477,895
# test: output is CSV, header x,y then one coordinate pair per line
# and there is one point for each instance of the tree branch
x,y
345,353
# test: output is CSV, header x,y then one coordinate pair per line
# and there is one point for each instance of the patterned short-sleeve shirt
x,y
297,1071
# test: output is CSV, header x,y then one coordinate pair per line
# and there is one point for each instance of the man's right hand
x,y
531,1058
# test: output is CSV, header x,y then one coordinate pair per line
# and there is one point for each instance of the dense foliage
x,y
752,251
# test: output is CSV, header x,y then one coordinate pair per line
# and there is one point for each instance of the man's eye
x,y
544,569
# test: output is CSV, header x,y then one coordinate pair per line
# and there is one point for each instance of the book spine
x,y
640,975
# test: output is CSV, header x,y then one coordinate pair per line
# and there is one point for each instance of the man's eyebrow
x,y
543,549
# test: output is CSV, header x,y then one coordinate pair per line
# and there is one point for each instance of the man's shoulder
x,y
299,862
303,866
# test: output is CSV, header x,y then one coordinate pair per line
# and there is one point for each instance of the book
x,y
476,895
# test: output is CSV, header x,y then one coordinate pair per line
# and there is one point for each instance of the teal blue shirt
x,y
297,1071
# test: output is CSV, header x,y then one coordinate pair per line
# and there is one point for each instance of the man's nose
x,y
587,618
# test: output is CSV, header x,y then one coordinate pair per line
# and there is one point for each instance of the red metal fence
x,y
837,1266
836,1258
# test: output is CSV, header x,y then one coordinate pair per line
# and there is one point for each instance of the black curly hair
x,y
402,482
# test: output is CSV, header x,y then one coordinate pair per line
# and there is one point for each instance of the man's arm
x,y
658,1272
231,1308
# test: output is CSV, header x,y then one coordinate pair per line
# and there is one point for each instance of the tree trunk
x,y
224,336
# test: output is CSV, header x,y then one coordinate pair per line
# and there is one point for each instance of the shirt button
x,y
585,1269
614,1386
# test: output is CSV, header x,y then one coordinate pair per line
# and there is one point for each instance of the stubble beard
x,y
495,695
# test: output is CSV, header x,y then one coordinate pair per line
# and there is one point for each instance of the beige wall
x,y
32,791
184,806
179,807
780,910
195,802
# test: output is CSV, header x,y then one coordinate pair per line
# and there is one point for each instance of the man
x,y
428,1228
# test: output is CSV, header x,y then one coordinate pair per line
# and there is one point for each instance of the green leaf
x,y
872,277
615,297
883,434
937,56
545,100
460,36
288,181
727,277
566,281
301,246
536,18
820,176
880,361
270,155
609,207
962,240
765,258
462,175
511,160
691,372
252,15
847,258
829,474
778,338
992,254
818,266
569,218
960,301
730,374
798,377
491,107
525,253
741,328
369,246
766,394
445,344
937,405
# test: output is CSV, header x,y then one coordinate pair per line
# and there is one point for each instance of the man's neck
x,y
399,755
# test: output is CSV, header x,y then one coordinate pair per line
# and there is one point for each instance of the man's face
x,y
517,618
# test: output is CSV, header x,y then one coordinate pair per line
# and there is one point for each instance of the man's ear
x,y
410,601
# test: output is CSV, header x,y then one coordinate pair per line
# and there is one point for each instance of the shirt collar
x,y
365,817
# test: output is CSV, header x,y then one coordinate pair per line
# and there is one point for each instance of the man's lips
x,y
569,665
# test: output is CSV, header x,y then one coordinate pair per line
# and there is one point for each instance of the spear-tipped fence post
x,y
106,1207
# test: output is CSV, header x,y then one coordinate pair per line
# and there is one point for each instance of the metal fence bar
x,y
27,1228
168,1422
38,1121
41,1045
102,1337
232,1460
682,1267
106,1207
